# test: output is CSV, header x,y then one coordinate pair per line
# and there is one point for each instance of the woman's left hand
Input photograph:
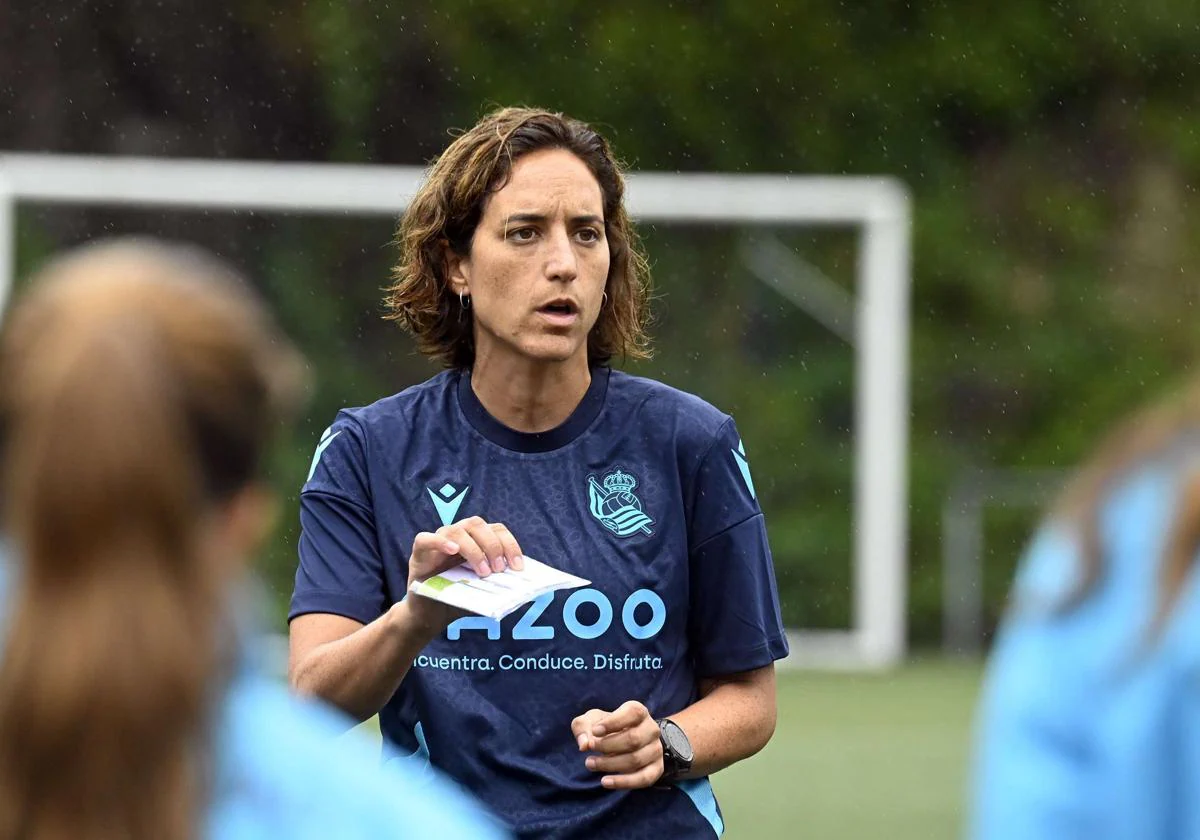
x,y
627,743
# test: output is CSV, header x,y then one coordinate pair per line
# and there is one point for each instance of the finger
x,y
581,727
510,546
426,542
629,762
642,778
468,549
487,540
430,553
629,713
628,740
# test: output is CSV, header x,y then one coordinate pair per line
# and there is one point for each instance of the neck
x,y
530,396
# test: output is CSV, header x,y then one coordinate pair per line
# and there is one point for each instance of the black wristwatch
x,y
677,750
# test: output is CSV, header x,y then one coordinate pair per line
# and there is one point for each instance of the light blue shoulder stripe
x,y
702,796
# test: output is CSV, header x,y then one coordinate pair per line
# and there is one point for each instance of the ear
x,y
250,516
458,270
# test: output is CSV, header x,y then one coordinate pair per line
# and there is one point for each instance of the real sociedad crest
x,y
616,506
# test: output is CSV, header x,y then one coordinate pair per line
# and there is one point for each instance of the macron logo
x,y
447,501
326,439
739,455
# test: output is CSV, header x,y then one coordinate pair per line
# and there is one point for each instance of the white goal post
x,y
878,207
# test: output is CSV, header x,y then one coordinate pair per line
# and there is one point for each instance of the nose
x,y
560,257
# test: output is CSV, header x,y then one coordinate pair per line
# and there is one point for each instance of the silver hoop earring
x,y
464,303
604,300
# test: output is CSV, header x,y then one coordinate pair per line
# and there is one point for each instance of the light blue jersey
x,y
285,767
1089,724
285,772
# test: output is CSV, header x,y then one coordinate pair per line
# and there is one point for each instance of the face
x,y
538,263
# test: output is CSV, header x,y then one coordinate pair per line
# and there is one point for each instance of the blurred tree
x,y
1050,148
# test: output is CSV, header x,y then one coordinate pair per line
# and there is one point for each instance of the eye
x,y
589,235
524,234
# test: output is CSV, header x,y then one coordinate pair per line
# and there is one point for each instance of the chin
x,y
553,349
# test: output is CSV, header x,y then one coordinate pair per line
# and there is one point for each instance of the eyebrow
x,y
540,218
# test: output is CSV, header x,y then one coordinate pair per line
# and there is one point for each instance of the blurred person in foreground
x,y
598,712
139,387
1090,719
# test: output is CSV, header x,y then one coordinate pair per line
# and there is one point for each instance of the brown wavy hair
x,y
446,211
139,386
1155,433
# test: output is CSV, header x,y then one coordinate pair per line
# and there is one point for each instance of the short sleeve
x,y
287,767
734,621
340,569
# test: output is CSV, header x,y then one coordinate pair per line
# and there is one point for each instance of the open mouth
x,y
562,308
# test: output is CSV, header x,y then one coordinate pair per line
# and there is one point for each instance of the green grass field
x,y
858,756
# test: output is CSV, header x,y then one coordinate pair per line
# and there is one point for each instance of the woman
x,y
139,387
1090,719
594,713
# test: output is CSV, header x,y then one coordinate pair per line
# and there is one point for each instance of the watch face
x,y
677,741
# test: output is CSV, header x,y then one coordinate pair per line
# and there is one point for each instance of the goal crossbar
x,y
878,207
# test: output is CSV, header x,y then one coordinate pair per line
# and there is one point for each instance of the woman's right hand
x,y
487,546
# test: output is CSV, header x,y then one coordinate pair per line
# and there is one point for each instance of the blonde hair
x,y
139,385
1149,434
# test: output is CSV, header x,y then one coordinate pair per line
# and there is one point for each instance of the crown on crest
x,y
619,482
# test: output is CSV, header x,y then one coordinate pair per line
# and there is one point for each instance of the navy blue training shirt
x,y
645,491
